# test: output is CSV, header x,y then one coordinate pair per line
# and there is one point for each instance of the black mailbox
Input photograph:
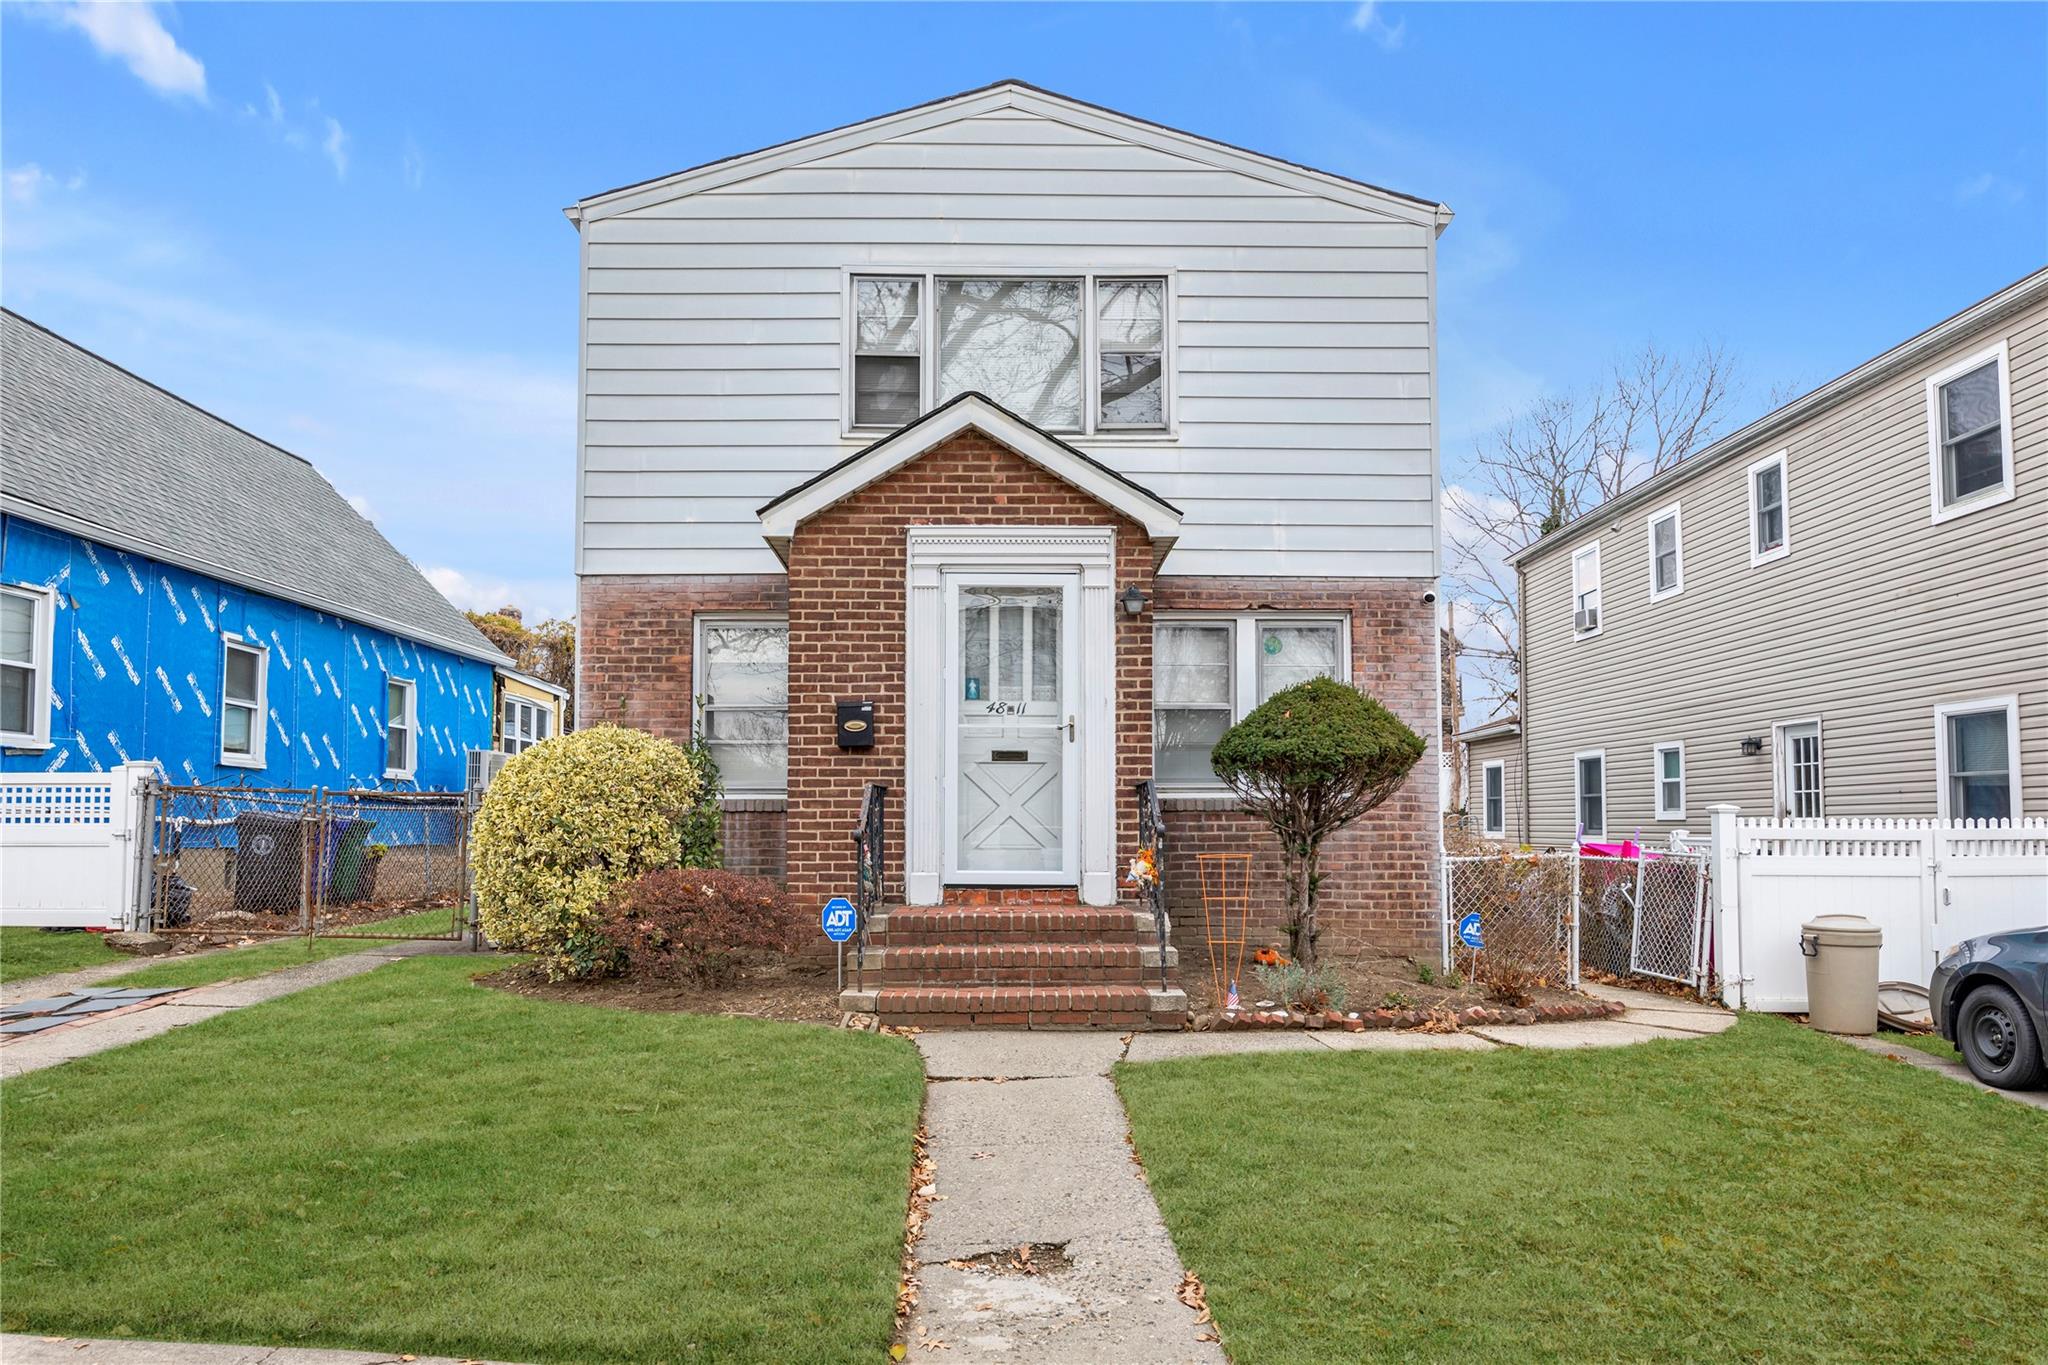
x,y
856,728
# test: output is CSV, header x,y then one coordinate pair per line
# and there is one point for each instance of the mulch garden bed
x,y
798,990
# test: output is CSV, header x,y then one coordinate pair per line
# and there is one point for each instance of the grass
x,y
26,952
1933,1044
405,1161
235,964
1766,1194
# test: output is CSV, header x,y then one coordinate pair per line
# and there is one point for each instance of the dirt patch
x,y
797,990
1027,1258
1372,981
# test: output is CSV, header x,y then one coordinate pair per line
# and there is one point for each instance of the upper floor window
x,y
1493,798
526,724
244,679
1075,353
1586,590
25,625
743,696
1976,745
1969,416
1208,672
1667,567
1770,518
401,724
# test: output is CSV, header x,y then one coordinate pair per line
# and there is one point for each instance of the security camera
x,y
1429,596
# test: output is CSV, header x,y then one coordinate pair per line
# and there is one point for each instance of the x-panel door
x,y
1012,779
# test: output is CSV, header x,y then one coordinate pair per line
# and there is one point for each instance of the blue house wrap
x,y
140,535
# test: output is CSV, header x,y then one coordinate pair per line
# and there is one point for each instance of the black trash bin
x,y
269,861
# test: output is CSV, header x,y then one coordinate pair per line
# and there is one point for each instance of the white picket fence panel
x,y
69,856
1928,884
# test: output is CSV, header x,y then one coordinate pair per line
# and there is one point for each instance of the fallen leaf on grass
x,y
1194,1296
898,1351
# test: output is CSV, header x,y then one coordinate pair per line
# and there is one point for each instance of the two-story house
x,y
1056,438
1839,610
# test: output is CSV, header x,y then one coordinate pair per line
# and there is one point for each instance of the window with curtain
x,y
241,704
888,355
1972,434
1193,701
743,695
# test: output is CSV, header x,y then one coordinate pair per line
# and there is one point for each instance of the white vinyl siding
x,y
742,688
1977,757
1969,426
245,685
1770,510
1667,553
1493,798
25,648
1297,352
1668,775
1209,671
1586,615
401,728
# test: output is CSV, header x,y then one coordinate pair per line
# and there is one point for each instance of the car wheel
x,y
1998,1040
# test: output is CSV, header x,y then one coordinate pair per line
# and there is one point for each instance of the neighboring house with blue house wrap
x,y
175,589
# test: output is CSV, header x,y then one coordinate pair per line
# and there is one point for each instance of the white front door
x,y
1012,715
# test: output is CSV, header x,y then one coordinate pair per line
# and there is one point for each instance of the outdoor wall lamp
x,y
1133,600
1752,746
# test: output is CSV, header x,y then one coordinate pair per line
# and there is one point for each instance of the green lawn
x,y
32,952
1767,1194
407,1162
235,964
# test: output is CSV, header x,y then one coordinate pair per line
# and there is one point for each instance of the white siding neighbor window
x,y
1798,777
1589,792
1670,779
1770,511
245,681
526,724
1586,591
1667,564
1977,749
1493,798
1074,353
25,625
1969,421
401,724
742,690
1208,672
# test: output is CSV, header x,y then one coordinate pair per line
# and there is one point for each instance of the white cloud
x,y
132,33
412,164
28,182
537,599
1369,20
361,504
335,146
1990,185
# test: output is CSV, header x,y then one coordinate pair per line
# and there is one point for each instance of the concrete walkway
x,y
35,1051
1955,1071
20,1348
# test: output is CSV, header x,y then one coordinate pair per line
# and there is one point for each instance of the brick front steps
x,y
1024,963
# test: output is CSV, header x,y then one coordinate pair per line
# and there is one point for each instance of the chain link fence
x,y
1542,919
256,862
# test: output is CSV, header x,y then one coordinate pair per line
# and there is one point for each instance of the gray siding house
x,y
1840,610
1493,779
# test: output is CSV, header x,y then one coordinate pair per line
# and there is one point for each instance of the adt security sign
x,y
838,919
1468,931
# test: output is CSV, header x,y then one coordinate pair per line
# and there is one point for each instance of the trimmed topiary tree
x,y
1308,761
567,822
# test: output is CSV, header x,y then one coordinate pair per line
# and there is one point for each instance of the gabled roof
x,y
1012,94
780,518
96,451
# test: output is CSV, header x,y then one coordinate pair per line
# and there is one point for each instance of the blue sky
x,y
339,225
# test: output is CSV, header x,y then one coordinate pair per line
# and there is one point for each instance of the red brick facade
x,y
845,595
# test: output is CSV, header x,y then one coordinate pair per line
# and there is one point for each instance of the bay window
x,y
1074,353
1209,671
742,687
526,723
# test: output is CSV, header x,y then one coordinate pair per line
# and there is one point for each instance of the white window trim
x,y
259,730
928,359
1591,551
1784,547
410,724
41,650
697,679
1781,760
522,705
1244,663
1579,793
1486,770
1657,779
1677,543
1989,497
2010,704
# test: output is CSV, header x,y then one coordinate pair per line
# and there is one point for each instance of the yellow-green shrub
x,y
567,821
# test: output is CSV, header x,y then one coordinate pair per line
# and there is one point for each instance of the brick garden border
x,y
1359,1021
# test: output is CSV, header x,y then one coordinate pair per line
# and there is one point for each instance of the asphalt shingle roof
x,y
84,438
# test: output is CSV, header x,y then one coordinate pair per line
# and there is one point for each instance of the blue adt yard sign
x,y
1468,931
838,919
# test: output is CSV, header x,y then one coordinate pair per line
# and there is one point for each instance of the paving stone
x,y
961,1053
35,1024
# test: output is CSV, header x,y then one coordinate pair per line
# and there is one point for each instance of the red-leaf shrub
x,y
699,924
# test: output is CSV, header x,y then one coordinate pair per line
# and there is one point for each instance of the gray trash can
x,y
1841,972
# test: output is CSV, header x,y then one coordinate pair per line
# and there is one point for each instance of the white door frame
x,y
937,551
1068,582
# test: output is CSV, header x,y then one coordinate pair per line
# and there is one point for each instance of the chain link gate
x,y
247,862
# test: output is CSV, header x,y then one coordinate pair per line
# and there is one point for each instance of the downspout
x,y
1522,699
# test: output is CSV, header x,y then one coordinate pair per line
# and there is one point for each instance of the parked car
x,y
1990,998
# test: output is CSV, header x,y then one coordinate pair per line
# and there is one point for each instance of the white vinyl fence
x,y
69,851
1928,884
